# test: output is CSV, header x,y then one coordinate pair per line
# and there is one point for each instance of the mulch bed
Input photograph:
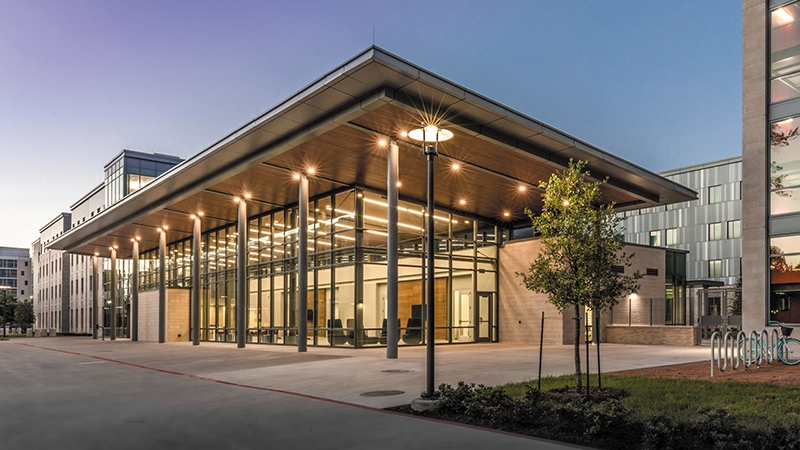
x,y
776,373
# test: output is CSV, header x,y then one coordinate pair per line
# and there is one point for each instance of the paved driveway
x,y
79,393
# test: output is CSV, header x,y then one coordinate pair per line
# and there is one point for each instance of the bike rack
x,y
738,349
725,343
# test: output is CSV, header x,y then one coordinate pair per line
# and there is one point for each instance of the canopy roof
x,y
334,126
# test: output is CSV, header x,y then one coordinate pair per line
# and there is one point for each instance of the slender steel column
x,y
113,307
96,307
302,266
196,236
431,152
162,286
134,318
241,275
392,331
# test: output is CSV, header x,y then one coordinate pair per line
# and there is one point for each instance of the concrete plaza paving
x,y
83,393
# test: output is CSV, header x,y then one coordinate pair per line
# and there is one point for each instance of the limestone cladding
x,y
521,309
177,315
655,335
755,278
520,312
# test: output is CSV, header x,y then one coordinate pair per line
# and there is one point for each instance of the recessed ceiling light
x,y
462,202
785,15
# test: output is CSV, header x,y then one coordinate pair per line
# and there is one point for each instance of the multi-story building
x,y
63,298
771,162
709,228
308,225
15,272
50,300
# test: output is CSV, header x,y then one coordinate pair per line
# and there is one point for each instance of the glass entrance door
x,y
486,317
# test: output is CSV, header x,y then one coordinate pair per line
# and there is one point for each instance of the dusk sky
x,y
657,83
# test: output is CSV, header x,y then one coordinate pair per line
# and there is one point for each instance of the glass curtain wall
x,y
675,288
784,164
120,306
347,291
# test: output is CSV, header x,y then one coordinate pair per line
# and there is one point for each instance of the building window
x,y
655,238
714,231
672,236
784,278
715,194
715,268
785,49
784,175
734,229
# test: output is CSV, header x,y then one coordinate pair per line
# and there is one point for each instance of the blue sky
x,y
657,83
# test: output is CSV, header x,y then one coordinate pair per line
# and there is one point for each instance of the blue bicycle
x,y
787,348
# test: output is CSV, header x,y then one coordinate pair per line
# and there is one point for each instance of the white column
x,y
96,306
134,318
392,331
196,236
241,275
113,307
162,285
302,266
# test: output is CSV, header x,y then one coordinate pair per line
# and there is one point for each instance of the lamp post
x,y
5,307
430,136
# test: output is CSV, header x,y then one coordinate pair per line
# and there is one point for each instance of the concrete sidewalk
x,y
360,376
84,394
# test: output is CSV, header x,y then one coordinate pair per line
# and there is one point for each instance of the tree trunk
x,y
578,380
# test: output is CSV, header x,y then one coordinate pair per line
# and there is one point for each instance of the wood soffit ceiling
x,y
334,126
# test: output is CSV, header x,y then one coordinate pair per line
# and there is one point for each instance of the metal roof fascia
x,y
104,223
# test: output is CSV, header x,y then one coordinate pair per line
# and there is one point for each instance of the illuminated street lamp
x,y
430,136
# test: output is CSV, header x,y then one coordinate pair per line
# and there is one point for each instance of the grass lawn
x,y
757,406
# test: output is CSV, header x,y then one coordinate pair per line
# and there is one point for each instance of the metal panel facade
x,y
706,227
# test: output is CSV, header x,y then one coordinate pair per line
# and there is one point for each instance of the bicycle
x,y
788,348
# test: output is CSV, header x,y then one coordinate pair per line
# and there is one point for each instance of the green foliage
x,y
8,304
24,316
581,244
751,405
694,415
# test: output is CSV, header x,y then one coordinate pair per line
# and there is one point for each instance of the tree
x,y
8,303
24,315
581,244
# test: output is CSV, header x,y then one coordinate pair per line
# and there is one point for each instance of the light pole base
x,y
423,404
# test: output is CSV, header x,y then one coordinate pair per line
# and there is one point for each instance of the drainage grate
x,y
381,393
396,371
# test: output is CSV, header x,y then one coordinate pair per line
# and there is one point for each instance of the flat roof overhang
x,y
334,126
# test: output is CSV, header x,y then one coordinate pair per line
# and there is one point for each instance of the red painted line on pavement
x,y
298,394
